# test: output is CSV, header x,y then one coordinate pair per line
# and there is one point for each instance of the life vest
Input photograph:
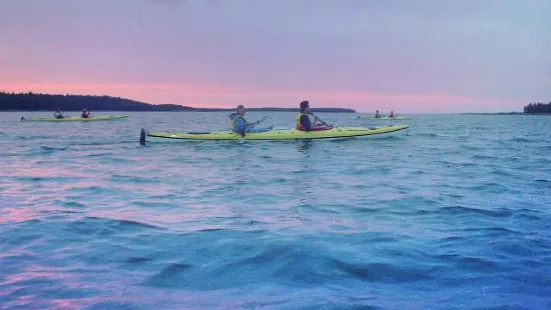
x,y
299,124
313,127
232,121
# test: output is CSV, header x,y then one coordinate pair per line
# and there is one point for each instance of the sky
x,y
410,56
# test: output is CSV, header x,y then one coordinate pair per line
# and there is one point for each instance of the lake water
x,y
456,214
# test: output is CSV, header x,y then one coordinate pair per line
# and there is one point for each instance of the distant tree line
x,y
538,108
47,102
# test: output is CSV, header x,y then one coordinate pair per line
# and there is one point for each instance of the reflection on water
x,y
89,222
304,146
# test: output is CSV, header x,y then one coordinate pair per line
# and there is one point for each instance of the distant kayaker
x,y
85,114
377,114
240,125
391,114
304,123
58,114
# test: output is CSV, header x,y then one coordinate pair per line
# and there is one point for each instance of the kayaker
x,y
391,114
304,123
240,125
85,114
377,114
58,114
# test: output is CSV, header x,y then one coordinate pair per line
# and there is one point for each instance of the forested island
x,y
50,102
531,108
538,108
493,113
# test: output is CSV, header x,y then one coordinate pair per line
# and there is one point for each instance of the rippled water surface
x,y
456,214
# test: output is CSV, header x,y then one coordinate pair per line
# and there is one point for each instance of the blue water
x,y
456,214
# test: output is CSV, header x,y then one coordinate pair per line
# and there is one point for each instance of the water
x,y
454,215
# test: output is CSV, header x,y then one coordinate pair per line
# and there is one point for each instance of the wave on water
x,y
461,210
50,149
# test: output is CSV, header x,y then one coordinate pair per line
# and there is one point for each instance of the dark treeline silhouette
x,y
538,108
48,102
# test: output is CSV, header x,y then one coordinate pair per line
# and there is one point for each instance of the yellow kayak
x,y
73,119
271,135
388,118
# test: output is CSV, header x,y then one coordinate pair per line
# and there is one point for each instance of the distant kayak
x,y
386,118
72,119
271,135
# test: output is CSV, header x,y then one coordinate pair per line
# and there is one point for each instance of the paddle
x,y
251,126
320,120
257,122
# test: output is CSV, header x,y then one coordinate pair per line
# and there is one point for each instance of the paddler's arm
x,y
254,123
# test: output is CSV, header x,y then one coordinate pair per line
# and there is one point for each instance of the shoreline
x,y
266,110
505,113
180,111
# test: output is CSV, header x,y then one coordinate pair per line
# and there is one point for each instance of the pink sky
x,y
221,97
411,57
